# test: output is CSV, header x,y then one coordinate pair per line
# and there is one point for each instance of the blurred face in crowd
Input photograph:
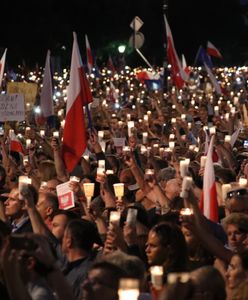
x,y
99,285
43,206
14,207
173,188
235,204
189,238
235,273
235,237
156,253
59,223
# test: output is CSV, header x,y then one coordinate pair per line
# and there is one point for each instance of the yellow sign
x,y
29,90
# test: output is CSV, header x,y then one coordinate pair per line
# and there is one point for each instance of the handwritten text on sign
x,y
12,107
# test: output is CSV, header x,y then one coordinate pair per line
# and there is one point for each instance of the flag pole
x,y
143,57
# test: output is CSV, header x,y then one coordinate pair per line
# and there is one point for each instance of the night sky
x,y
30,28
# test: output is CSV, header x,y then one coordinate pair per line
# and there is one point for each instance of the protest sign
x,y
12,107
65,196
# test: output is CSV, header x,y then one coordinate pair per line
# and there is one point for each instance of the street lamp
x,y
121,49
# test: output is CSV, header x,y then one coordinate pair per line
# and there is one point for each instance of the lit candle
x,y
191,147
100,171
203,161
74,178
109,172
186,211
42,132
119,190
212,130
128,289
28,143
171,136
100,134
89,189
146,118
171,145
149,175
227,138
227,116
56,134
23,181
184,164
183,117
144,137
128,117
157,276
62,123
216,110
187,182
242,182
101,164
25,159
173,120
114,217
130,125
149,113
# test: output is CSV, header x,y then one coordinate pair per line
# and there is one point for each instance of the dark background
x,y
28,28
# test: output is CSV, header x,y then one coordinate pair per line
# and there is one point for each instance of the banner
x,y
29,90
12,107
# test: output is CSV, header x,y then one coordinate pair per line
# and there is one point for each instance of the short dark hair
x,y
83,234
68,213
52,199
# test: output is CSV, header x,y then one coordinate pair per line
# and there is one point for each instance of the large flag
x,y
2,65
212,50
202,57
46,96
177,73
78,95
90,61
15,144
208,203
184,65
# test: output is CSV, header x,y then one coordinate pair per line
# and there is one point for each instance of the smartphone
x,y
20,242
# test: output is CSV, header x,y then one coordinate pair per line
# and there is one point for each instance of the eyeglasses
x,y
237,193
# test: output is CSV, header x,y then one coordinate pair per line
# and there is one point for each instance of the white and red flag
x,y
208,203
15,144
90,61
213,51
177,73
184,65
2,65
46,96
78,96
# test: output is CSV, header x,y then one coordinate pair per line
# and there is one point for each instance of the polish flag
x,y
208,203
15,144
2,65
46,96
78,95
212,50
177,73
90,61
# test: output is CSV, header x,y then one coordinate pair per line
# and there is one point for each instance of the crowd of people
x,y
140,233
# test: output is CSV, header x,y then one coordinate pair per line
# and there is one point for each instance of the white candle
x,y
149,174
171,145
146,118
28,143
242,182
62,123
130,125
109,172
143,149
227,116
183,117
144,137
149,113
89,188
101,164
74,178
187,182
172,136
114,217
100,134
23,181
128,289
186,211
227,138
184,164
157,276
100,171
212,130
173,120
118,189
203,161
56,134
128,117
42,133
216,110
